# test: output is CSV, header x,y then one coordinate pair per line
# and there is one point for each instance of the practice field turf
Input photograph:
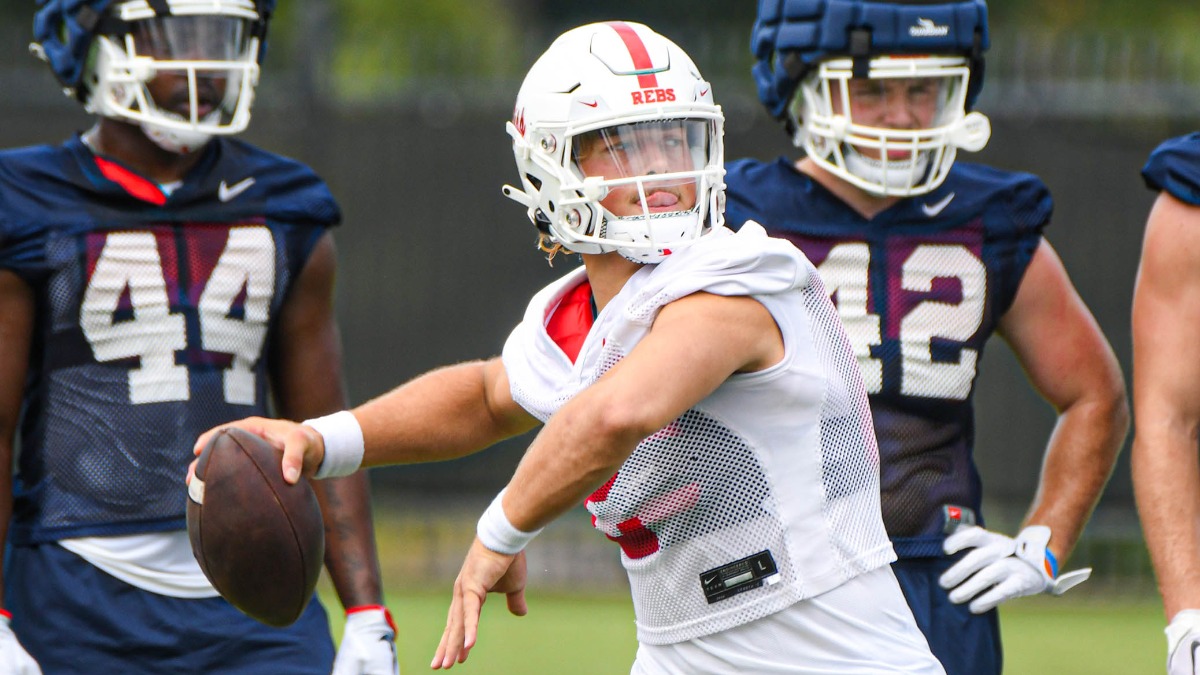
x,y
595,636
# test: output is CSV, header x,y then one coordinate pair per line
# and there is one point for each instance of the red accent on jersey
x,y
134,184
637,51
636,540
601,493
568,326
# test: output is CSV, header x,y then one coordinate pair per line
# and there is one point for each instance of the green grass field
x,y
595,635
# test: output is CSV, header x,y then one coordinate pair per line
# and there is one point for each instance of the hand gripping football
x,y
259,540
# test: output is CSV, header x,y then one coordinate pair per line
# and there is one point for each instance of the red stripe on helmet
x,y
637,51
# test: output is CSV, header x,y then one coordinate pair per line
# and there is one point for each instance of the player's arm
x,y
696,343
1070,363
1166,394
17,309
16,328
306,372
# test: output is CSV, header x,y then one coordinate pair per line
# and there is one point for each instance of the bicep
x,y
16,334
509,416
695,344
1055,337
1166,315
16,329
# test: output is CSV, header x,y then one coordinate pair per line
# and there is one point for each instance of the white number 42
x,y
131,260
845,272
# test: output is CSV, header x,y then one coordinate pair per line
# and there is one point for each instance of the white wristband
x,y
498,534
343,444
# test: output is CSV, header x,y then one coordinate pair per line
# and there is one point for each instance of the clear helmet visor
x,y
645,169
198,65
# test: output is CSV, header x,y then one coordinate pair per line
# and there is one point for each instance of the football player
x,y
1166,392
697,390
158,277
927,258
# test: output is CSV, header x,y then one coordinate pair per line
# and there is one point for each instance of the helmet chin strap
x,y
178,141
648,229
895,175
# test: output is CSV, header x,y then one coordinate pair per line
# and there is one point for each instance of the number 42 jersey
x,y
154,321
919,288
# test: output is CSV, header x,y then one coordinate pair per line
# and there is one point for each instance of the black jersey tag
x,y
738,577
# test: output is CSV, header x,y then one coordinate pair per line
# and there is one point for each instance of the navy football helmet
x,y
109,54
877,92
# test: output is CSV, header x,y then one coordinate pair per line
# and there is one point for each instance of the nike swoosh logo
x,y
932,210
704,92
228,192
711,579
593,104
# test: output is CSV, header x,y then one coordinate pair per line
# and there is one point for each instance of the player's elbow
x,y
1112,405
614,425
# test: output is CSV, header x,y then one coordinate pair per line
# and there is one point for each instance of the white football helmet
x,y
630,107
870,131
212,45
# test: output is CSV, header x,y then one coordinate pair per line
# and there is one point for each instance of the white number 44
x,y
131,260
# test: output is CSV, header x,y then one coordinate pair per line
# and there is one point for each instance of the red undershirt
x,y
568,326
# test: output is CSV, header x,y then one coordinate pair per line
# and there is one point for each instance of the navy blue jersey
x,y
154,317
1174,167
920,288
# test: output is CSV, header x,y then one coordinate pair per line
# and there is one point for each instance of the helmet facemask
x,y
895,132
184,77
651,185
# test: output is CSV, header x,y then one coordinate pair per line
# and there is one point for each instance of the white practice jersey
x,y
763,494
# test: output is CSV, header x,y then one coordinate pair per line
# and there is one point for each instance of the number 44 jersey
x,y
919,288
154,319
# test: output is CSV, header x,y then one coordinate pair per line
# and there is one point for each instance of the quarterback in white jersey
x,y
697,390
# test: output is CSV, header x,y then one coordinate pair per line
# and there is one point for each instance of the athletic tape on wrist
x,y
498,534
343,444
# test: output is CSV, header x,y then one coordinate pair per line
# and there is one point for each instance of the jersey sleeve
x,y
22,191
1027,208
1174,167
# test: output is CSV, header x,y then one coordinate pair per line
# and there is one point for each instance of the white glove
x,y
1183,643
368,643
14,660
1002,568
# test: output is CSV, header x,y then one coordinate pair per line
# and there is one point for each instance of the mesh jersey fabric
x,y
780,461
154,322
920,287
